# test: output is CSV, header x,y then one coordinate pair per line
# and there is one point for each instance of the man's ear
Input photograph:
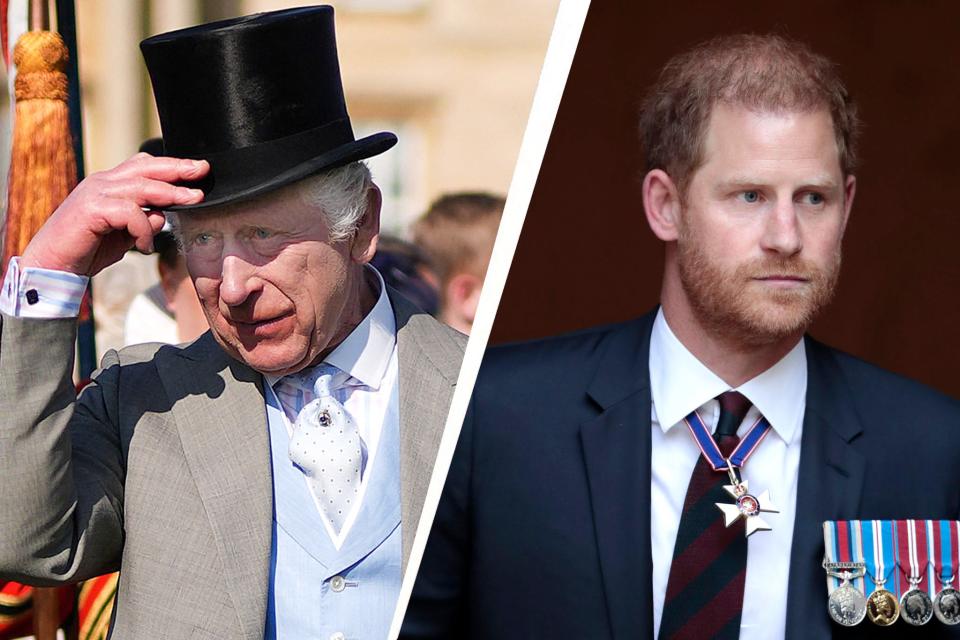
x,y
368,231
461,296
849,190
661,202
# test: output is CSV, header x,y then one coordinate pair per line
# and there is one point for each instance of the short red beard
x,y
729,306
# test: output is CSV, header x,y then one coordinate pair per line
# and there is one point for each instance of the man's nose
x,y
782,231
236,280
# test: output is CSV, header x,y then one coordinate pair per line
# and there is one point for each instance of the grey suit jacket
x,y
162,468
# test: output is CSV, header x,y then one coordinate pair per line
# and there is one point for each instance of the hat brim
x,y
361,149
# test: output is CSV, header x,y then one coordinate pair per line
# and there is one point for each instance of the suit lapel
x,y
616,450
828,488
429,362
220,413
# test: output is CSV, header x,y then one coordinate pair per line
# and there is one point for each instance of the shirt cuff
x,y
41,293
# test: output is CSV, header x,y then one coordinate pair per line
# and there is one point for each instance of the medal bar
x,y
897,570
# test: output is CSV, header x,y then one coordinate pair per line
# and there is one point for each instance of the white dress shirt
x,y
680,384
370,395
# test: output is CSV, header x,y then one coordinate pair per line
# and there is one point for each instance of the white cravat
x,y
326,445
679,384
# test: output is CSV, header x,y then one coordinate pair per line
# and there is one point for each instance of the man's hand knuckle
x,y
94,179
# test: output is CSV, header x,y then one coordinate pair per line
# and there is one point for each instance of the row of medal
x,y
887,570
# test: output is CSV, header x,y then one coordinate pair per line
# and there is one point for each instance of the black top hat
x,y
259,98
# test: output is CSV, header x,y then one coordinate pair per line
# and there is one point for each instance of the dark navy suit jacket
x,y
543,530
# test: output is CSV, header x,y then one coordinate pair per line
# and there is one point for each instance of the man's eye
x,y
261,234
750,197
202,239
814,198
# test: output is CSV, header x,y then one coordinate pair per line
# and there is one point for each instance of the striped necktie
x,y
705,590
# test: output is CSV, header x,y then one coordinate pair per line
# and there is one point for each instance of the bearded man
x,y
266,480
582,500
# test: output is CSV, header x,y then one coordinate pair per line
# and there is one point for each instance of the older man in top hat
x,y
267,479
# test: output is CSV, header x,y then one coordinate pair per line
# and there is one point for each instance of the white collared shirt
x,y
680,384
369,356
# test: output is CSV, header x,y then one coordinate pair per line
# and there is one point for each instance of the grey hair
x,y
341,194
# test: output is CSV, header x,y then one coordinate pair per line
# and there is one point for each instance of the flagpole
x,y
39,15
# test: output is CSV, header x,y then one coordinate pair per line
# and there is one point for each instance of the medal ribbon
x,y
831,552
904,552
869,555
912,547
945,549
896,579
879,544
930,572
955,550
856,548
710,450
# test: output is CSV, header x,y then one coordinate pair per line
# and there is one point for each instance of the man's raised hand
x,y
104,215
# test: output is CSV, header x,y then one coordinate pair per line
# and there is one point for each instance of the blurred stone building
x,y
453,78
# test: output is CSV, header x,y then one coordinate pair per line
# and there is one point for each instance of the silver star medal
x,y
746,505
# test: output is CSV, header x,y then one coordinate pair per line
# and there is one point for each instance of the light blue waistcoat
x,y
315,590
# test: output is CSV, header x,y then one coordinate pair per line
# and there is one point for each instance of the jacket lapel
x,y
429,361
220,413
379,512
616,450
828,488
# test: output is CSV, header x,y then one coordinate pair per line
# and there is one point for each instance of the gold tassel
x,y
43,168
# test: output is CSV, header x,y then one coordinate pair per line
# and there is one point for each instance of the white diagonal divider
x,y
553,78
